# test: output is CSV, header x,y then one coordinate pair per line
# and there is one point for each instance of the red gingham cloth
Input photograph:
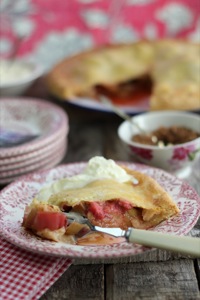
x,y
27,276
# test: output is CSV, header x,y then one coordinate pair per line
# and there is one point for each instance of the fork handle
x,y
182,244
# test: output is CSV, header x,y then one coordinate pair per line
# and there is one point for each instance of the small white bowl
x,y
177,159
17,76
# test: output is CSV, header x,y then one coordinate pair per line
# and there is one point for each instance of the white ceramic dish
x,y
139,106
17,76
177,159
135,108
17,195
34,117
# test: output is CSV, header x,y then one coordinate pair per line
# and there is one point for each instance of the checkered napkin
x,y
26,276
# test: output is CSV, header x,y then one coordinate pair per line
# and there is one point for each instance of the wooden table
x,y
153,275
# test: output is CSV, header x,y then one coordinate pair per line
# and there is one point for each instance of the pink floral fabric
x,y
52,29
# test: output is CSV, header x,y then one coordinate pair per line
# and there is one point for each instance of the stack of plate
x,y
33,136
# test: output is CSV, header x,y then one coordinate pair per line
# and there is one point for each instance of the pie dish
x,y
20,193
168,69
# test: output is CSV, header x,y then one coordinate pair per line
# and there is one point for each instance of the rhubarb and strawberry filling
x,y
111,213
51,222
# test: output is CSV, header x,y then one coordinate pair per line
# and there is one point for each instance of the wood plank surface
x,y
164,280
80,283
173,279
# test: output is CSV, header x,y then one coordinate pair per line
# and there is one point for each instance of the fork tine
x,y
73,216
76,217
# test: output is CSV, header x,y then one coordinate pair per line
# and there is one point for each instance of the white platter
x,y
139,107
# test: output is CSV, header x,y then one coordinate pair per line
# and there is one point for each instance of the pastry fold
x,y
138,202
149,203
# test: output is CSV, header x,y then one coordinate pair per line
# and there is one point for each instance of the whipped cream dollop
x,y
97,168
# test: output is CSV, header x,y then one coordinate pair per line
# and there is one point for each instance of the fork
x,y
182,244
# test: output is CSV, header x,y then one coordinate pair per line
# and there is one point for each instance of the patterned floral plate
x,y
54,161
17,195
43,164
28,124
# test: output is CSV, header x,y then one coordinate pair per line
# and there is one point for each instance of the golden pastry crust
x,y
147,195
110,65
182,97
154,193
141,204
173,66
176,76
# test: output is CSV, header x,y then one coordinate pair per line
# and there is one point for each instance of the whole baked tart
x,y
168,70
